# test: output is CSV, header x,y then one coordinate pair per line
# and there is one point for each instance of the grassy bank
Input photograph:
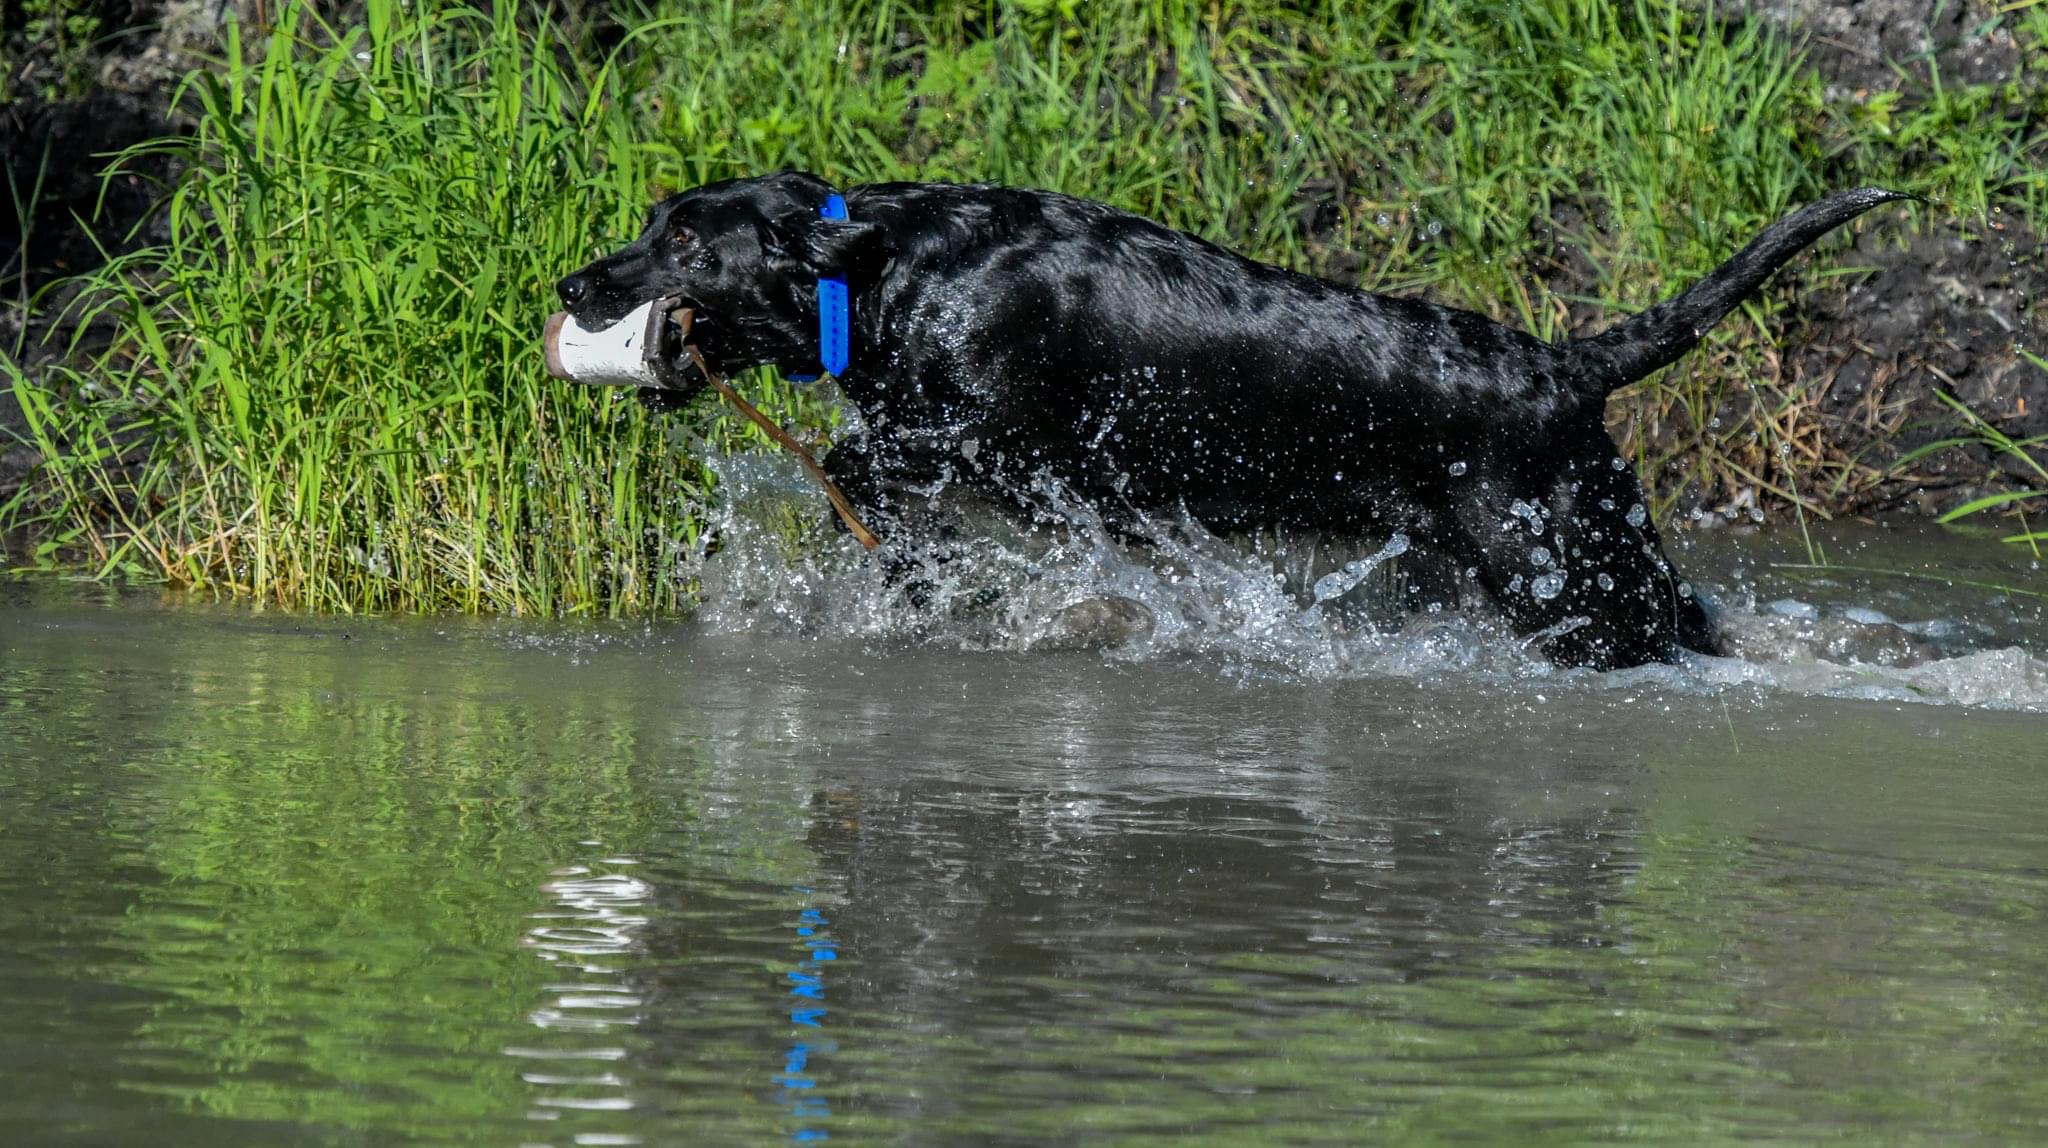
x,y
324,390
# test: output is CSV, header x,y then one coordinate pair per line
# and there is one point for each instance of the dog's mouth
x,y
670,323
666,352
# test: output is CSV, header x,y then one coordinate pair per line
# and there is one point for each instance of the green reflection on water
x,y
268,881
332,856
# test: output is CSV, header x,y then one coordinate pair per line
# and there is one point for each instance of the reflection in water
x,y
590,935
797,1079
272,881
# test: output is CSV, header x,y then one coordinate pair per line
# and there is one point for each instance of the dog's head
x,y
744,255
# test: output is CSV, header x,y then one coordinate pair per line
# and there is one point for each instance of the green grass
x,y
325,390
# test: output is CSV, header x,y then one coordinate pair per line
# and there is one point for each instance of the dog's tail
x,y
1657,337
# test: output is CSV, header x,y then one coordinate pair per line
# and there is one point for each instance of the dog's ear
x,y
839,246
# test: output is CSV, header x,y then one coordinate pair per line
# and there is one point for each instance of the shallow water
x,y
789,873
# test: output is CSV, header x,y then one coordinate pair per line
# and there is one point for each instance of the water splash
x,y
1261,606
1146,589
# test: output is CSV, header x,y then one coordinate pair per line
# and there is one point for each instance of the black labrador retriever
x,y
999,335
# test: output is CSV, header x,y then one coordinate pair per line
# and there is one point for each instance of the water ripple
x,y
595,915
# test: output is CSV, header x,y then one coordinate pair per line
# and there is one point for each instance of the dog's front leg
x,y
855,467
859,470
883,482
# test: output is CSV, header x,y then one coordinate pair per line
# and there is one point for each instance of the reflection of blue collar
x,y
835,309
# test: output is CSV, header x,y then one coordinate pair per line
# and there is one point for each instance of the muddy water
x,y
785,873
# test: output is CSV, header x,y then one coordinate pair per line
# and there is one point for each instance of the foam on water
x,y
1258,607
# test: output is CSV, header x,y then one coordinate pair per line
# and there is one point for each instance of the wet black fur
x,y
1001,333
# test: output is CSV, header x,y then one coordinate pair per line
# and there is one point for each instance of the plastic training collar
x,y
835,309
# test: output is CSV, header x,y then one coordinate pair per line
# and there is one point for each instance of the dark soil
x,y
54,146
63,146
56,142
1942,313
67,141
1863,46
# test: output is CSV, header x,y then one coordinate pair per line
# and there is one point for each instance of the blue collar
x,y
835,310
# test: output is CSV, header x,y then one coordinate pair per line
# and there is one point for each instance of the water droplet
x,y
1457,468
1606,581
1637,515
1539,557
1341,582
1548,586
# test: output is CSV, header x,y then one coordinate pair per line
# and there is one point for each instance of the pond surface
x,y
270,880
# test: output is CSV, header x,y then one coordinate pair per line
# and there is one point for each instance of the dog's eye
x,y
683,237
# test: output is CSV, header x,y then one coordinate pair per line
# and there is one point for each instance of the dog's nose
x,y
572,289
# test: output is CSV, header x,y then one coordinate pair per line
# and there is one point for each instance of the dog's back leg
x,y
1575,563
